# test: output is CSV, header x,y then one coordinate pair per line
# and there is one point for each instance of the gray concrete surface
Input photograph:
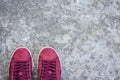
x,y
85,33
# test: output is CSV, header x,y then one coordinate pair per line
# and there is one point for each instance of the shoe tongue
x,y
20,73
49,72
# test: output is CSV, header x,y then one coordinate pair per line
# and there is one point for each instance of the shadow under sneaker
x,y
20,65
49,67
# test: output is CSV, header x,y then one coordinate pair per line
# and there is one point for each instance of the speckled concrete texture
x,y
85,33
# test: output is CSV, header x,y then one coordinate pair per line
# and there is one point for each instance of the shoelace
x,y
21,70
48,70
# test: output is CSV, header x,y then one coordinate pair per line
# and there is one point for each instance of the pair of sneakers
x,y
49,67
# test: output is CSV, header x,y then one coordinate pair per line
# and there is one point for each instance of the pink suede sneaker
x,y
49,67
20,65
